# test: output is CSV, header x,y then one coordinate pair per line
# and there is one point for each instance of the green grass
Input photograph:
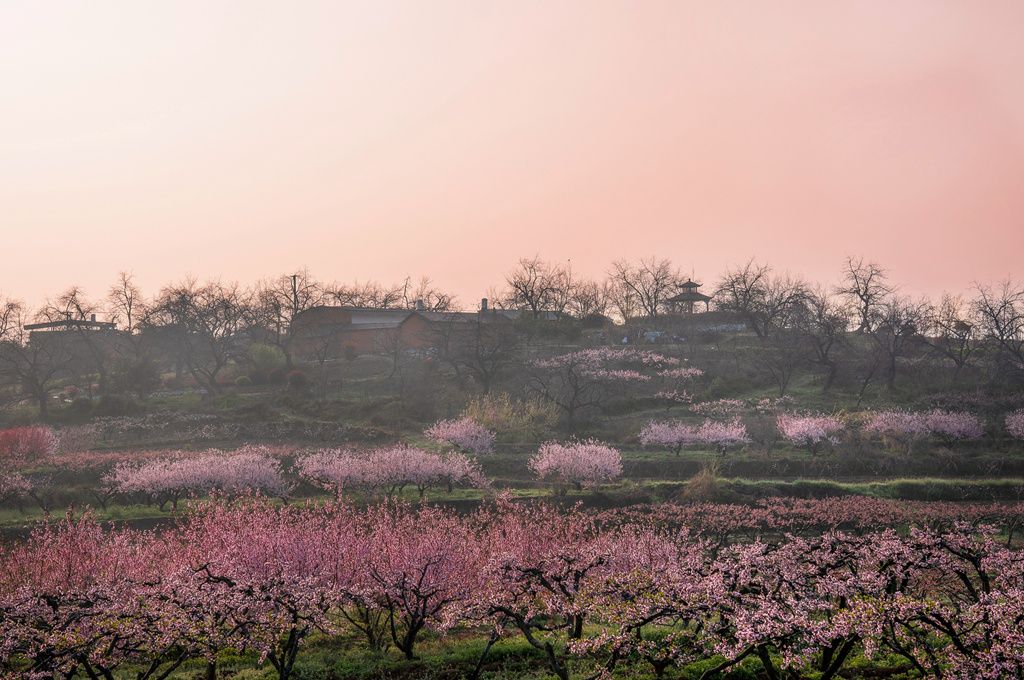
x,y
917,488
737,489
452,656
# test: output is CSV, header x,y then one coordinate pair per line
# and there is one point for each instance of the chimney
x,y
420,306
483,304
93,318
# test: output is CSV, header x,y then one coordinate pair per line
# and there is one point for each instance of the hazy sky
x,y
375,139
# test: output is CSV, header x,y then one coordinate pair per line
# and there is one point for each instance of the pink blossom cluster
x,y
959,425
681,373
722,435
810,431
76,438
26,445
670,434
389,469
579,463
464,434
13,486
724,522
675,435
954,425
724,407
1015,424
772,404
169,480
581,587
609,363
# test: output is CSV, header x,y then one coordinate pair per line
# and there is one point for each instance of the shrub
x,y
297,380
243,381
705,486
116,405
140,376
27,444
528,420
265,360
277,376
310,670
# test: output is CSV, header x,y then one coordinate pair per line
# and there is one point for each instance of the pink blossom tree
x,y
910,427
723,435
580,464
421,571
288,568
464,434
677,380
672,435
169,480
810,431
668,584
14,486
583,379
538,577
1015,424
954,425
390,469
23,445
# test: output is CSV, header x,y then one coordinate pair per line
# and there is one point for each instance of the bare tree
x,y
648,283
865,287
125,303
480,349
538,286
325,347
404,295
425,295
782,355
951,331
33,367
623,302
278,301
91,349
763,301
589,299
823,322
1000,314
368,294
896,325
206,323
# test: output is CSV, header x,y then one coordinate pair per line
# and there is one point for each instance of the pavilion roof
x,y
690,296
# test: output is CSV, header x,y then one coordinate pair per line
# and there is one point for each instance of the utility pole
x,y
295,294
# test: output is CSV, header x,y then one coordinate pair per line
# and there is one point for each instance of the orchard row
x,y
589,591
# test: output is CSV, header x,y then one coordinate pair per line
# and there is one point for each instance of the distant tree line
x,y
859,329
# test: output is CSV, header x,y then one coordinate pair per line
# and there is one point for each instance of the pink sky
x,y
374,139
